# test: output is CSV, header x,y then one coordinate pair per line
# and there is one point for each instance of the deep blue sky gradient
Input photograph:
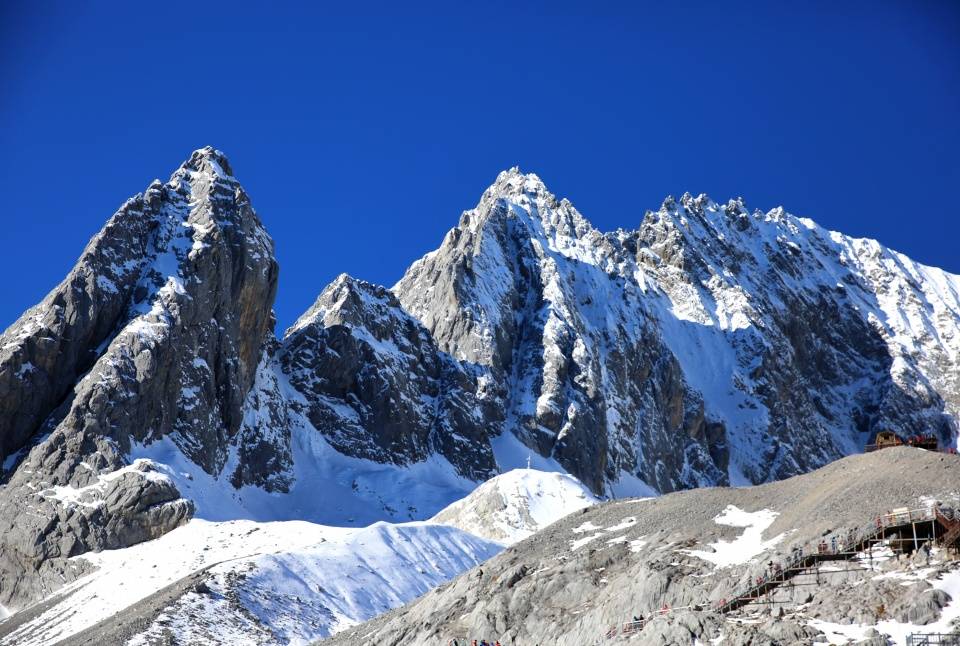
x,y
362,130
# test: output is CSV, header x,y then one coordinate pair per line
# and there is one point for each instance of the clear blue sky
x,y
362,130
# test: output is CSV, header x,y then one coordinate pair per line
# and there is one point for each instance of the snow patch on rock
x,y
837,633
746,546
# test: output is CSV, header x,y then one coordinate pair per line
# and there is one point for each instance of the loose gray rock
x,y
598,569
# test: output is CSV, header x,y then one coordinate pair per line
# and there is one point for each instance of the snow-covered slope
x,y
517,504
803,342
265,583
290,581
327,487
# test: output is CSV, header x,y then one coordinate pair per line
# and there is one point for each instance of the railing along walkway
x,y
838,549
846,548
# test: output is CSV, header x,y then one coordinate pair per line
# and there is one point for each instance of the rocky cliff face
x,y
710,345
526,289
374,383
156,332
804,341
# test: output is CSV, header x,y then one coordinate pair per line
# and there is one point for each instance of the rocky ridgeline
x,y
547,308
710,342
818,340
709,346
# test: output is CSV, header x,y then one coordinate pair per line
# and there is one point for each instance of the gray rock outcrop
x,y
156,333
374,383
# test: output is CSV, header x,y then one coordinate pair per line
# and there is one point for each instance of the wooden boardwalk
x,y
847,547
944,528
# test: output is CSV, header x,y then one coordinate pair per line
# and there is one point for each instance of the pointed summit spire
x,y
209,160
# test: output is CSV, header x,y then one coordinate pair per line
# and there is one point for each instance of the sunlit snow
x,y
516,504
340,576
746,546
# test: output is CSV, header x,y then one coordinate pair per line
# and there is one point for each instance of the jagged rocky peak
x,y
682,231
156,333
528,291
512,184
557,219
845,316
480,257
374,383
354,303
710,344
191,243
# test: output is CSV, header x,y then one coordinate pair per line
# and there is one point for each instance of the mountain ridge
x,y
659,255
637,361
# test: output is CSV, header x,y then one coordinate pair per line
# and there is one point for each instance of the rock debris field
x,y
598,568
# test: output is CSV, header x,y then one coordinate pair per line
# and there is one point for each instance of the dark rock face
x,y
826,336
375,385
128,506
262,453
157,332
53,344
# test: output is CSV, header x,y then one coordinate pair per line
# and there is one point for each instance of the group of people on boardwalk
x,y
844,543
834,546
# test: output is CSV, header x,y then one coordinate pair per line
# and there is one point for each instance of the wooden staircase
x,y
796,567
951,524
847,548
884,526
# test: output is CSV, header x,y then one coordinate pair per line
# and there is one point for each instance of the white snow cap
x,y
514,505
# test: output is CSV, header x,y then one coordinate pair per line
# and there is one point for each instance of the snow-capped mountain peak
x,y
748,315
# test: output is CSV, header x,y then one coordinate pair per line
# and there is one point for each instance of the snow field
x,y
340,576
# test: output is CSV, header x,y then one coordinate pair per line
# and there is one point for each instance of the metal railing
x,y
635,626
933,639
840,546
